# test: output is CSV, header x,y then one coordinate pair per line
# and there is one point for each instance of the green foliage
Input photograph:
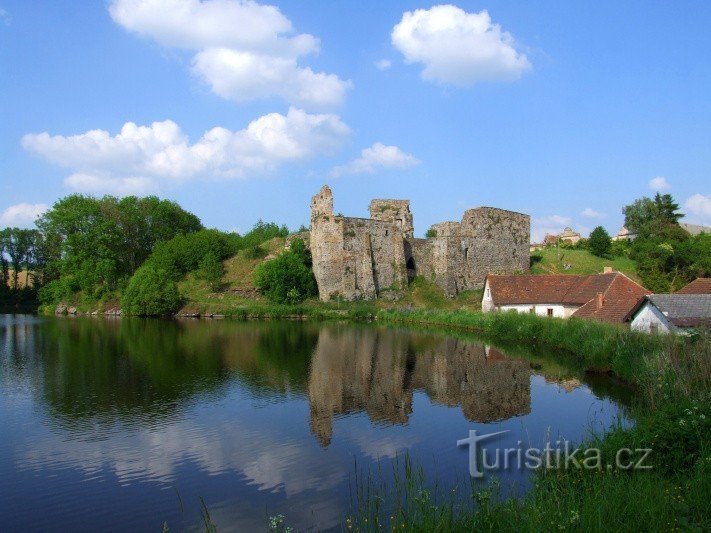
x,y
599,242
644,215
95,245
431,233
210,269
666,255
287,279
151,292
669,260
260,233
183,253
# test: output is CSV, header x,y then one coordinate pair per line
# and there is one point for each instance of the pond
x,y
124,424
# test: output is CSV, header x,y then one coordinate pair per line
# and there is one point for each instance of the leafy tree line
x,y
21,253
94,245
667,256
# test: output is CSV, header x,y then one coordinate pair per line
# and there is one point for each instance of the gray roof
x,y
684,310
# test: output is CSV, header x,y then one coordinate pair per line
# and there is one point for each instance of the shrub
x,y
151,292
288,278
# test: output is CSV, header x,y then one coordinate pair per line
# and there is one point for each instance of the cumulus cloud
x,y
139,159
699,207
383,64
376,157
591,213
21,215
457,47
659,184
553,224
244,50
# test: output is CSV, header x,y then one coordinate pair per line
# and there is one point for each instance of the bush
x,y
151,292
288,279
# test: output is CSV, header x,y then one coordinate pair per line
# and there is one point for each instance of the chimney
x,y
599,301
607,270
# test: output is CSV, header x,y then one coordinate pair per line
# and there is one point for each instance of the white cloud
x,y
375,157
457,47
659,184
552,224
383,64
699,206
243,76
139,158
591,213
21,215
245,50
5,17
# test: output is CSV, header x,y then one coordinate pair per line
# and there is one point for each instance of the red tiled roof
x,y
620,294
698,286
618,301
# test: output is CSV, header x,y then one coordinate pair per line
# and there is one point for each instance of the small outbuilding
x,y
672,313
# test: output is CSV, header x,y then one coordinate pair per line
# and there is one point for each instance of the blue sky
x,y
239,111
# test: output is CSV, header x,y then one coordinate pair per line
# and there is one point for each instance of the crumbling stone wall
x,y
354,258
358,258
396,212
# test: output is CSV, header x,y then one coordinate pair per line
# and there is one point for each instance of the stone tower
x,y
396,212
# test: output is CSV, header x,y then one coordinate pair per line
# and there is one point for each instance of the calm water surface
x,y
125,424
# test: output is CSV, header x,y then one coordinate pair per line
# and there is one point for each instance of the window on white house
x,y
550,312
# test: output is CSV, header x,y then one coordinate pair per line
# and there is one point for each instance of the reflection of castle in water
x,y
377,370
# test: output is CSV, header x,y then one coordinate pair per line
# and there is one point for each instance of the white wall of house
x,y
555,310
651,320
487,304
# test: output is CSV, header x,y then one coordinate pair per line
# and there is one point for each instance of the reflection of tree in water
x,y
376,371
138,371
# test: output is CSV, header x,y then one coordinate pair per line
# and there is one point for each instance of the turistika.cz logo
x,y
561,456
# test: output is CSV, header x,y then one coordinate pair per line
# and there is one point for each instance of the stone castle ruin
x,y
365,258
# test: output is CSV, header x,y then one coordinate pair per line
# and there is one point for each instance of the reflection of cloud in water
x,y
263,455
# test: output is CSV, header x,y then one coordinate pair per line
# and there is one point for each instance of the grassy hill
x,y
553,261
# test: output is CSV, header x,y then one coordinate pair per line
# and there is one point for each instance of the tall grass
x,y
599,347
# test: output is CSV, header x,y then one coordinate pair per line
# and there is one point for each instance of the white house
x,y
608,297
672,313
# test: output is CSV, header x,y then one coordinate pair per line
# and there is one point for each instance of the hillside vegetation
x,y
552,261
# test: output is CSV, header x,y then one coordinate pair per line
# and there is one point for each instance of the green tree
x,y
645,215
431,233
210,269
599,242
